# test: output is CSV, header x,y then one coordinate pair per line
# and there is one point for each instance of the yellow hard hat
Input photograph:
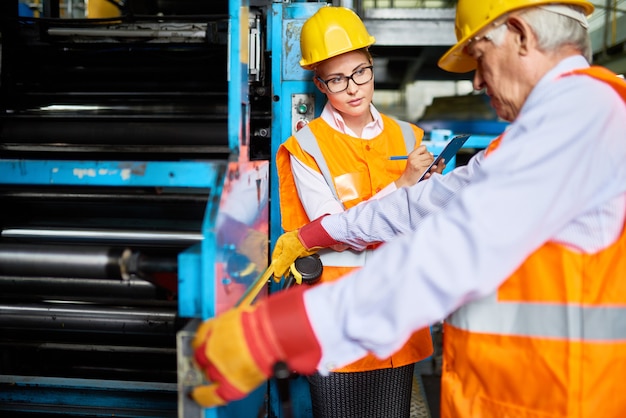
x,y
102,9
331,31
472,16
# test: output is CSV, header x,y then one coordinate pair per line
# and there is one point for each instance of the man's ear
x,y
524,36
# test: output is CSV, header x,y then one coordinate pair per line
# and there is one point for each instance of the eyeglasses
x,y
340,83
489,36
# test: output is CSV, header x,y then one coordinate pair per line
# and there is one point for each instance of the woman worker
x,y
336,161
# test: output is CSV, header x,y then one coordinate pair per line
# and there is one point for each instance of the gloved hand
x,y
288,248
238,349
299,243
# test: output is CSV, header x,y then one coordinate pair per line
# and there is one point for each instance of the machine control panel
x,y
302,111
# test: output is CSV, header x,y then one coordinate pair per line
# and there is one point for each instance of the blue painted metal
x,y
111,173
205,286
478,127
238,100
86,397
285,23
473,142
286,20
479,141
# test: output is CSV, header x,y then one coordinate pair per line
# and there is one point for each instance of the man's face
x,y
500,70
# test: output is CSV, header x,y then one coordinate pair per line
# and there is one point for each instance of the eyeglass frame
x,y
488,36
348,78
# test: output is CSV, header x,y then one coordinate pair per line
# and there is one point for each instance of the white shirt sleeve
x,y
316,197
558,163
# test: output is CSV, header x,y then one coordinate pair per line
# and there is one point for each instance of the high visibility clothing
x,y
556,322
359,169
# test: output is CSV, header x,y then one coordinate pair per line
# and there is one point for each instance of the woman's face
x,y
355,100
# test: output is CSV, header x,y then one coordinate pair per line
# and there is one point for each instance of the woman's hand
x,y
417,162
438,168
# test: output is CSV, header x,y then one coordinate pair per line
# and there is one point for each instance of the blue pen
x,y
403,157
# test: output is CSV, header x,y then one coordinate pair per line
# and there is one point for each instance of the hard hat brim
x,y
309,65
456,60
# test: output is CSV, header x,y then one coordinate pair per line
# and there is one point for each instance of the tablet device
x,y
448,152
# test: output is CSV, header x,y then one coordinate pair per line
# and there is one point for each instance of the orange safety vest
x,y
359,169
550,342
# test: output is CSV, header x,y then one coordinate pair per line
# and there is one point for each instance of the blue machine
x,y
125,173
301,100
130,173
454,115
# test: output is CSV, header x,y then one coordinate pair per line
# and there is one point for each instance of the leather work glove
x,y
299,243
238,349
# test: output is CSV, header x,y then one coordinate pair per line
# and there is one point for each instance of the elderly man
x,y
521,250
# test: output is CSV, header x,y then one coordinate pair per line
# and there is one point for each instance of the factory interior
x,y
136,137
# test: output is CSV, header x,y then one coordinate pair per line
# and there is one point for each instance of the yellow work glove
x,y
288,248
300,243
238,349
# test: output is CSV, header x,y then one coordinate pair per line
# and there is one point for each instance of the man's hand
x,y
238,349
217,342
300,243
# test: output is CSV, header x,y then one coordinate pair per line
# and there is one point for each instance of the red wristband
x,y
294,334
313,235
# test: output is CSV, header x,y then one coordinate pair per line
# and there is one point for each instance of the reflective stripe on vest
x,y
308,143
533,319
550,342
347,258
541,320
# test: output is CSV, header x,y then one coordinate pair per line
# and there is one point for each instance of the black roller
x,y
114,132
90,318
76,261
61,287
60,261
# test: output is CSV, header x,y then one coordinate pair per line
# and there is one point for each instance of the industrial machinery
x,y
127,181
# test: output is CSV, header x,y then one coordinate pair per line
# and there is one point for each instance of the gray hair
x,y
554,29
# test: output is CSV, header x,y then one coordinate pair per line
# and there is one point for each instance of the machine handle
x,y
306,270
253,290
